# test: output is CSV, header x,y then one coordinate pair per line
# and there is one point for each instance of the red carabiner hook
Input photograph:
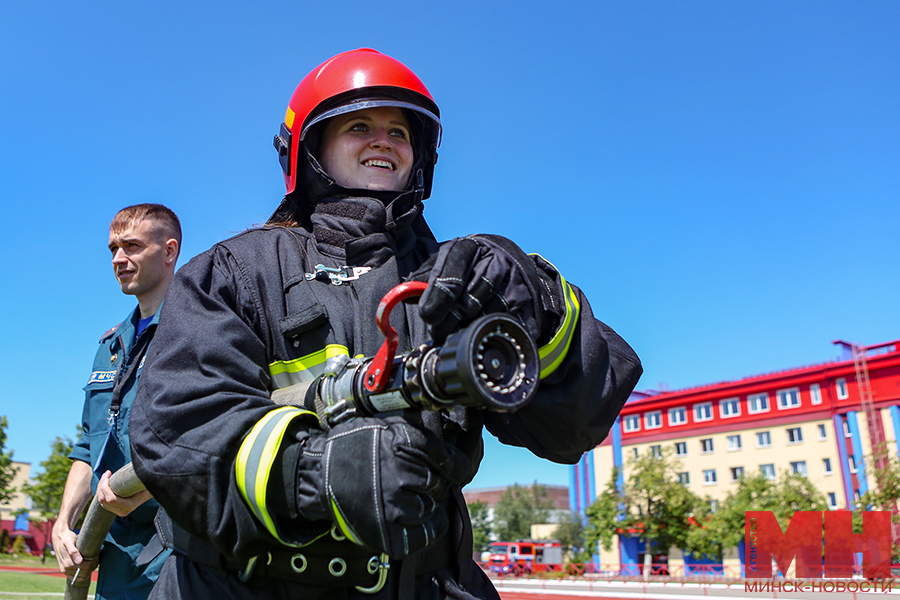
x,y
376,378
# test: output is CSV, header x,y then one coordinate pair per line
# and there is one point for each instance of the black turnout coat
x,y
234,322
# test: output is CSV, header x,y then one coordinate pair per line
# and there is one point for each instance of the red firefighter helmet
x,y
352,81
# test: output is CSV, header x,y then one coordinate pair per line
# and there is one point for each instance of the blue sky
x,y
720,178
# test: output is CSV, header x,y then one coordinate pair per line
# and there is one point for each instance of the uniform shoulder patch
x,y
110,332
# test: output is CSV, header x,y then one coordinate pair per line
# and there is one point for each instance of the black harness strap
x,y
136,356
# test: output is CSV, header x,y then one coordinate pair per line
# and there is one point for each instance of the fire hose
x,y
124,483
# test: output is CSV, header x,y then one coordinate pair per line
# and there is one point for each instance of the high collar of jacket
x,y
364,230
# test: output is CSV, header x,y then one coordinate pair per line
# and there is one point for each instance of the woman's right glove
x,y
478,275
380,481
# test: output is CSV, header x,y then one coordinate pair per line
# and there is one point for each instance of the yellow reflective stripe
x,y
256,457
344,526
289,118
557,348
306,368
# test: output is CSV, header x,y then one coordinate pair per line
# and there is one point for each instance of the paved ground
x,y
534,589
525,589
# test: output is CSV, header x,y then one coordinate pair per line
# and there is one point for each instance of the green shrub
x,y
19,546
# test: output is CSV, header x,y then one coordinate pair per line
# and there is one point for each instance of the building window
x,y
734,443
846,425
656,451
763,439
709,477
706,445
851,462
737,473
653,420
684,478
677,416
768,471
826,466
799,467
680,448
632,423
832,500
757,403
823,432
794,435
730,408
840,386
815,394
788,398
634,452
703,412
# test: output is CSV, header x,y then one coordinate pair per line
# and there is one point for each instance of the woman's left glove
x,y
477,275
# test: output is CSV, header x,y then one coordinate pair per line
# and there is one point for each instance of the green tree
x,y
7,471
46,488
570,534
652,502
481,526
796,492
786,495
519,508
606,514
754,492
883,469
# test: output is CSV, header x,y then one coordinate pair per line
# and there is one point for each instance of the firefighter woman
x,y
272,502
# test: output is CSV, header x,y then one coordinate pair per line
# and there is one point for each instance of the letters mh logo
x,y
815,552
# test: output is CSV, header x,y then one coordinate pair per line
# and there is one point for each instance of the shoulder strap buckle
x,y
337,275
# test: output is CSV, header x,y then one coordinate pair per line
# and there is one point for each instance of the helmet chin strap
x,y
322,184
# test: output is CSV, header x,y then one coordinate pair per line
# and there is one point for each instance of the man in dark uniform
x,y
274,502
144,240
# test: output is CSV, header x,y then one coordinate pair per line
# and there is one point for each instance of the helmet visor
x,y
375,103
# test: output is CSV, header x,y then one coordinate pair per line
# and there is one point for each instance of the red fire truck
x,y
523,556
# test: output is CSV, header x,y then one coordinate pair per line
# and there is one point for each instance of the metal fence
x,y
616,572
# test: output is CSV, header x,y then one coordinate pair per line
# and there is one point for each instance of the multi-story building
x,y
820,421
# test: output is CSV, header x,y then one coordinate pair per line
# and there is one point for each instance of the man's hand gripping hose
x,y
97,522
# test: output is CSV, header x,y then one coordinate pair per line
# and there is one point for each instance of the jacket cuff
x,y
554,352
257,463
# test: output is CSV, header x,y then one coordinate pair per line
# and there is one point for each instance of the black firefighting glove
x,y
380,481
477,275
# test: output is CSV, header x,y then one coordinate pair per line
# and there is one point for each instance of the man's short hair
x,y
163,216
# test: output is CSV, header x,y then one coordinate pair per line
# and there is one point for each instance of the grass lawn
x,y
23,585
33,586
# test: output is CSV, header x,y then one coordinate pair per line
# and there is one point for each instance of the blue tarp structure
x,y
21,523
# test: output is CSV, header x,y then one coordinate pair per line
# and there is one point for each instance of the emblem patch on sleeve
x,y
101,377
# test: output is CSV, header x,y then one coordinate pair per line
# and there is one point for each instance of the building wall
x,y
19,500
780,453
822,401
558,495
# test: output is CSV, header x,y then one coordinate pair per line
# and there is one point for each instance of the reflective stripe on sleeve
x,y
286,373
256,457
343,525
556,349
